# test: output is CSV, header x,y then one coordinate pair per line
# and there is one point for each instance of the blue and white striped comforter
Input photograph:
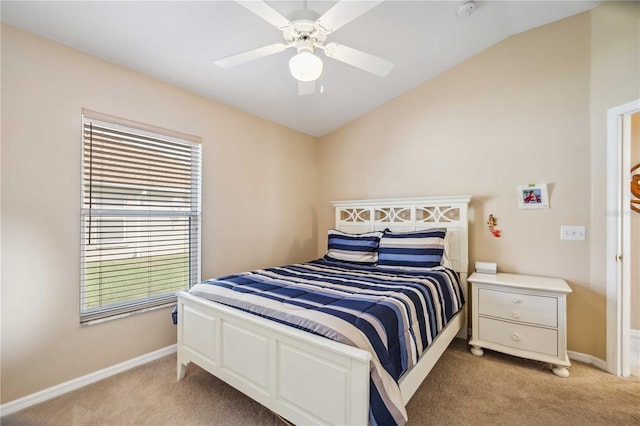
x,y
399,312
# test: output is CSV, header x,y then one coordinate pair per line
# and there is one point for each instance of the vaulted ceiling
x,y
178,42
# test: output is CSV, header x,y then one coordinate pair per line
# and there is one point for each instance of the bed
x,y
297,372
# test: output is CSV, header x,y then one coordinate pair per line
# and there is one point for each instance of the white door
x,y
619,238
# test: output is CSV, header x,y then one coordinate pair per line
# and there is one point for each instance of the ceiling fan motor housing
x,y
303,32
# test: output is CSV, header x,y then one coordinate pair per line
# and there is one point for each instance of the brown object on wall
x,y
492,222
635,189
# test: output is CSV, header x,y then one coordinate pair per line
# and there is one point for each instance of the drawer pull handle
x,y
516,300
515,336
515,315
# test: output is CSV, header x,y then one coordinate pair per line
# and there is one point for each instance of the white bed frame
x,y
305,378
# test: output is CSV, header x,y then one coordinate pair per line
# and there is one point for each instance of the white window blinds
x,y
140,214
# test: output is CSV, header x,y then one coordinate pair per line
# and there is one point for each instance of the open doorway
x,y
623,241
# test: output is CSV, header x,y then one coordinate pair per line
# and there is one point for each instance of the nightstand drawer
x,y
539,310
524,337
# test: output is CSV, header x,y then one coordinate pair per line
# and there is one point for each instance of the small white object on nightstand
x,y
486,267
521,315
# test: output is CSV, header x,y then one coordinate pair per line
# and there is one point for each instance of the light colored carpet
x,y
462,389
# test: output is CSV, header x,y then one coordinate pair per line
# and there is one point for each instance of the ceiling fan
x,y
307,31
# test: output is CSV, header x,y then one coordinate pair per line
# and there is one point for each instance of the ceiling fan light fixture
x,y
305,66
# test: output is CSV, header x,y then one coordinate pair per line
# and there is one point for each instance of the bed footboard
x,y
306,379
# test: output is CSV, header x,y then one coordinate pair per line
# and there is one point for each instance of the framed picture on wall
x,y
533,196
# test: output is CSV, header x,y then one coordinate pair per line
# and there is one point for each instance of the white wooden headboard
x,y
412,214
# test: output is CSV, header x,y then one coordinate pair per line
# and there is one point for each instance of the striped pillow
x,y
417,249
358,248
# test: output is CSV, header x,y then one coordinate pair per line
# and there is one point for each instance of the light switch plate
x,y
576,233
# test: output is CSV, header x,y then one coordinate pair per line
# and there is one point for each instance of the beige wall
x,y
523,111
259,203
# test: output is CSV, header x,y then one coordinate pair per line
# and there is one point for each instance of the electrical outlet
x,y
577,233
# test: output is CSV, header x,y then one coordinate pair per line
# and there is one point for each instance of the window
x,y
140,214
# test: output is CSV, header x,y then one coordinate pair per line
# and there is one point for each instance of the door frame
x,y
618,241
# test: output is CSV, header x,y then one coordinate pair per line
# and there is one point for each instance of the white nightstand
x,y
521,315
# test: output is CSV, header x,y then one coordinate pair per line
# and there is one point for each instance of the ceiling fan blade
x,y
342,13
306,88
266,12
359,59
250,55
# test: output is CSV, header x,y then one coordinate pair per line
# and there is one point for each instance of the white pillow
x,y
445,261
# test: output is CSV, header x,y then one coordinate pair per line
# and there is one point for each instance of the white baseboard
x,y
634,346
588,359
62,388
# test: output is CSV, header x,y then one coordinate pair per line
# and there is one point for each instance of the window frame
x,y
194,211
